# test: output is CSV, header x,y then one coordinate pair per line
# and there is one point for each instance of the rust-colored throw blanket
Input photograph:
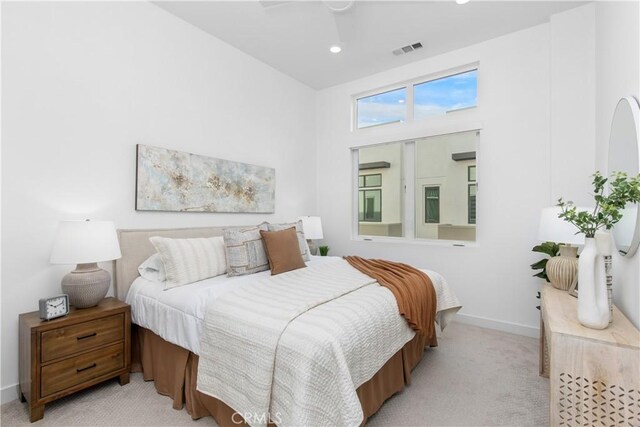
x,y
413,290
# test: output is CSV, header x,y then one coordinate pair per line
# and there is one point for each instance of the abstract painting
x,y
168,180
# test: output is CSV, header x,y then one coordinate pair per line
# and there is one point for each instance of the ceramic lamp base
x,y
86,286
562,270
313,247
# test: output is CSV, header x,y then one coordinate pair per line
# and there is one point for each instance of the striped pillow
x,y
189,260
302,241
245,250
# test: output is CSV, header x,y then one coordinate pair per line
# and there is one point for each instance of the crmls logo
x,y
251,418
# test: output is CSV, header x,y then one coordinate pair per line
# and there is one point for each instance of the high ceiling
x,y
294,36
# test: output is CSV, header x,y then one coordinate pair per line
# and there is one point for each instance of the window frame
x,y
426,211
473,184
364,180
409,86
408,183
469,173
431,80
385,91
364,191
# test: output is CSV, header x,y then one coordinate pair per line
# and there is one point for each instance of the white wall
x,y
546,97
513,169
83,82
573,138
617,75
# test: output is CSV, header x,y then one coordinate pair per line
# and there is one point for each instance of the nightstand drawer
x,y
83,336
76,370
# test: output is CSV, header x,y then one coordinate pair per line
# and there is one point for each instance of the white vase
x,y
593,303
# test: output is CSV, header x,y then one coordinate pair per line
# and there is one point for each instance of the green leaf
x,y
540,264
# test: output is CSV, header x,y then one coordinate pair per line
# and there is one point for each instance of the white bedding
x,y
294,347
177,314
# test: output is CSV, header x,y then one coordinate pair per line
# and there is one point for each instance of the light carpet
x,y
475,377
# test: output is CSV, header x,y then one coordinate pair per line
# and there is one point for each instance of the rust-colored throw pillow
x,y
282,250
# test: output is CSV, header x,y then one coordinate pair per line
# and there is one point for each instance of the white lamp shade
x,y
83,242
312,227
554,229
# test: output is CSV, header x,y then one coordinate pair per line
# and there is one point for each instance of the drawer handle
x,y
84,369
84,337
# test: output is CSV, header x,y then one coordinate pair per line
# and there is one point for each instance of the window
x,y
442,167
445,95
429,186
419,99
471,195
382,108
431,205
374,180
371,205
471,203
380,172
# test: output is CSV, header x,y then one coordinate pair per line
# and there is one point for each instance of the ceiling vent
x,y
408,48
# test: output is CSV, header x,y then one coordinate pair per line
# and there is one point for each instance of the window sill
x,y
420,242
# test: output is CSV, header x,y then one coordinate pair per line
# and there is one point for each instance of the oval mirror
x,y
624,156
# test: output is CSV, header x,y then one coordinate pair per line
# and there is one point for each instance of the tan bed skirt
x,y
174,371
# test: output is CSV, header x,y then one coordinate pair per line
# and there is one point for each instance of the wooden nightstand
x,y
594,374
65,355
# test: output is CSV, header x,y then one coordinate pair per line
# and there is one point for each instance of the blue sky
x,y
432,98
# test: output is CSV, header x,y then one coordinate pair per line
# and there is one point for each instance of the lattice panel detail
x,y
586,402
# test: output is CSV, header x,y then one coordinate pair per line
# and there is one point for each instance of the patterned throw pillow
x,y
302,241
190,260
245,250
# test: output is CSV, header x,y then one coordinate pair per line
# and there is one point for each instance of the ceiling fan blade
x,y
339,5
270,4
345,24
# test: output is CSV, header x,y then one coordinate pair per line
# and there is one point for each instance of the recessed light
x,y
335,49
462,1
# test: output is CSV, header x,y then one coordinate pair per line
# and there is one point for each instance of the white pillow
x,y
153,269
190,260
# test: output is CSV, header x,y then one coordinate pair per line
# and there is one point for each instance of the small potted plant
x,y
593,305
548,248
324,250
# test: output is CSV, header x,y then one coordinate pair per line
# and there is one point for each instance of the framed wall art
x,y
175,181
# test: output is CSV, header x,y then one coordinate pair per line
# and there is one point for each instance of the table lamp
x,y
562,270
85,243
312,227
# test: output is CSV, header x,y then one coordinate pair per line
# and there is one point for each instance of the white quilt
x,y
293,348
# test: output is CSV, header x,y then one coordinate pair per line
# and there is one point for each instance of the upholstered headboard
x,y
136,247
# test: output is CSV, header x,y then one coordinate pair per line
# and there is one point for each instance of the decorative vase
x,y
603,243
593,303
563,268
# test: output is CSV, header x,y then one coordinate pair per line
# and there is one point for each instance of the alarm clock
x,y
53,307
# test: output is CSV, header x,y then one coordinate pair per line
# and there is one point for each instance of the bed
x,y
169,325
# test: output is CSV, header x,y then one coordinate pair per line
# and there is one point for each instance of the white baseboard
x,y
483,322
8,393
